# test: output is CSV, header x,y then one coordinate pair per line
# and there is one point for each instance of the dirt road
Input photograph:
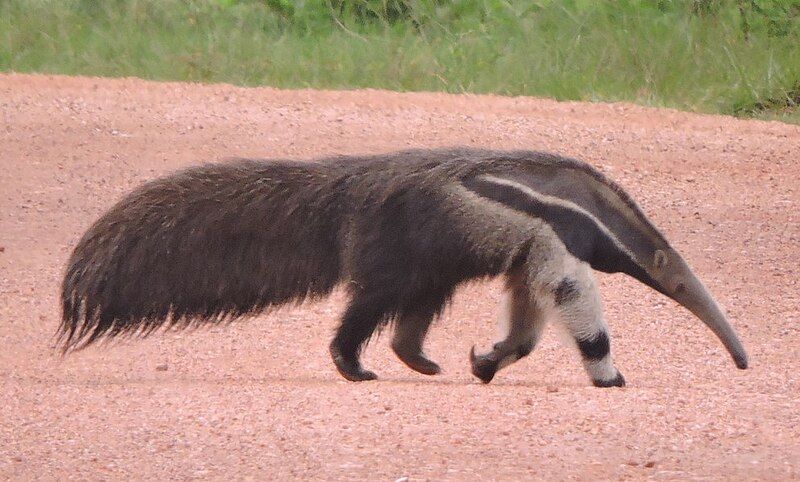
x,y
261,400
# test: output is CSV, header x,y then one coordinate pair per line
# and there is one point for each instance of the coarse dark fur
x,y
217,242
220,241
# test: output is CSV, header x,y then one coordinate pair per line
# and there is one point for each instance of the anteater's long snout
x,y
694,296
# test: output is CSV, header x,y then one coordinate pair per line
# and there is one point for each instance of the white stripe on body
x,y
556,201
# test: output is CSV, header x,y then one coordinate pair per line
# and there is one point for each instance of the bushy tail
x,y
204,245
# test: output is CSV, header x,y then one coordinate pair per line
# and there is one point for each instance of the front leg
x,y
522,323
577,301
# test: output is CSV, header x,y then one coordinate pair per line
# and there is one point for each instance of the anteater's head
x,y
676,279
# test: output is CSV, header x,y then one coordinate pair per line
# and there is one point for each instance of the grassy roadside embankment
x,y
735,57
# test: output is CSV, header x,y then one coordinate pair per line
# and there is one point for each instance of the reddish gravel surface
x,y
261,400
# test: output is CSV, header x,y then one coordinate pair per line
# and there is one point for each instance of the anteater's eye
x,y
680,288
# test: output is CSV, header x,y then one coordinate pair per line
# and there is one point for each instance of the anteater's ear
x,y
659,260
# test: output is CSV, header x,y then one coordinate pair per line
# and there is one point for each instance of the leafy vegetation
x,y
723,56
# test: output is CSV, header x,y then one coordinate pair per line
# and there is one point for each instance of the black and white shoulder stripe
x,y
585,236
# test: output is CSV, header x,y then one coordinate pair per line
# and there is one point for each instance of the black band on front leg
x,y
595,348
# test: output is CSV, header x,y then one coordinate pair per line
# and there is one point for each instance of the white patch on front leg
x,y
579,316
602,370
520,324
504,322
584,313
506,328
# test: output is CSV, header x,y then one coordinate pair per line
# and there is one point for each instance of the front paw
x,y
618,381
483,366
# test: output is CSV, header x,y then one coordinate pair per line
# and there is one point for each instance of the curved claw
x,y
483,367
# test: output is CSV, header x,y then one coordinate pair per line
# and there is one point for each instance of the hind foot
x,y
418,362
350,368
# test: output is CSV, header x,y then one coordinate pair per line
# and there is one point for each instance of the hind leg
x,y
522,323
409,336
577,303
361,318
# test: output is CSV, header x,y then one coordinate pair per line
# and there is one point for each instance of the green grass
x,y
701,55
